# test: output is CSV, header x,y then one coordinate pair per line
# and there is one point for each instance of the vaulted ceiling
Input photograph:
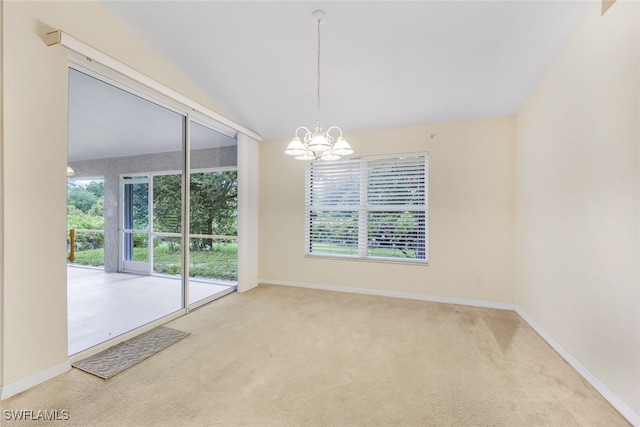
x,y
383,64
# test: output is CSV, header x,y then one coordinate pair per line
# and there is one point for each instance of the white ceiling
x,y
384,64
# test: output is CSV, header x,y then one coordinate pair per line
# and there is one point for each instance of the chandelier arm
x,y
307,134
301,128
334,127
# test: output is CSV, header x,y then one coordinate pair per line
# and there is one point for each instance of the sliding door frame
x,y
247,148
128,84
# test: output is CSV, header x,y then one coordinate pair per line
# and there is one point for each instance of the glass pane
x,y
213,259
333,232
167,255
127,139
139,244
136,206
88,248
85,222
213,225
214,203
167,203
397,181
333,184
396,234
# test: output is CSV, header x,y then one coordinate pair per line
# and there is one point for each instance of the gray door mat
x,y
122,356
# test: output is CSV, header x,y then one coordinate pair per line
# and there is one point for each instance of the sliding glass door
x,y
127,137
213,213
160,259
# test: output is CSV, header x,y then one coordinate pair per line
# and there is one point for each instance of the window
x,y
368,208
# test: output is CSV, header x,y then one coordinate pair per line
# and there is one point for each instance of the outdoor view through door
x,y
128,233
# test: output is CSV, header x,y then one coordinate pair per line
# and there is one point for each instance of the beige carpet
x,y
280,356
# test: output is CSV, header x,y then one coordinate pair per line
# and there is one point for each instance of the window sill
x,y
424,263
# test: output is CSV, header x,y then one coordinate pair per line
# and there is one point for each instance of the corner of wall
x,y
577,233
1,195
600,387
26,383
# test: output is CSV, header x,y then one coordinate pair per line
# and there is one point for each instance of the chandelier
x,y
318,145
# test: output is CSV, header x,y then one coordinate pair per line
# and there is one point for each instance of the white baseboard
x,y
404,295
26,383
622,407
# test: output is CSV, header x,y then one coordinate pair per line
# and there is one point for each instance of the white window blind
x,y
371,207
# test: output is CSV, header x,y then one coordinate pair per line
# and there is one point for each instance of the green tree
x,y
97,209
85,207
140,206
77,219
96,188
213,207
167,203
78,196
214,203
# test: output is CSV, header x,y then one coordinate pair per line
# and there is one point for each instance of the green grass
x,y
91,257
220,262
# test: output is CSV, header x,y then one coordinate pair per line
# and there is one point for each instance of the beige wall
x,y
577,204
471,200
34,322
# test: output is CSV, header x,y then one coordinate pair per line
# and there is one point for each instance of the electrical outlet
x,y
477,280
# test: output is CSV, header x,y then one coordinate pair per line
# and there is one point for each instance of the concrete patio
x,y
102,305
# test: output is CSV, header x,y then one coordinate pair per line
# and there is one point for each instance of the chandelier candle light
x,y
318,145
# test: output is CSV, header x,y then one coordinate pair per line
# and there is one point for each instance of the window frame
x,y
363,209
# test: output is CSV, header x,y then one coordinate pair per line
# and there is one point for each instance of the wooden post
x,y
72,245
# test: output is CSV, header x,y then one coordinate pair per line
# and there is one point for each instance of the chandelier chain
x,y
318,145
318,88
